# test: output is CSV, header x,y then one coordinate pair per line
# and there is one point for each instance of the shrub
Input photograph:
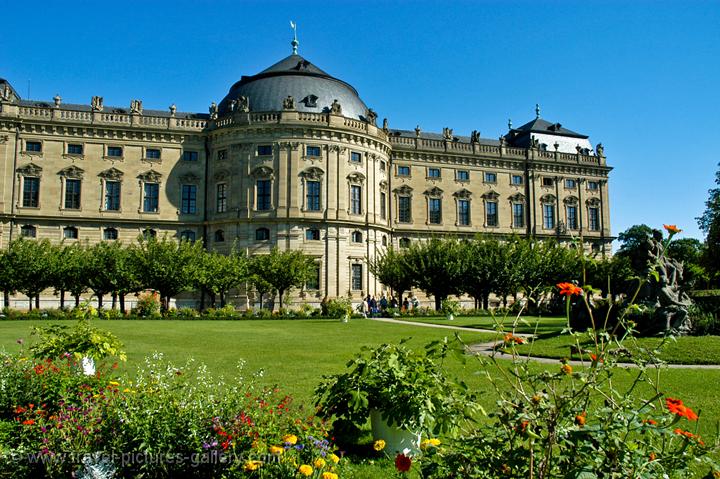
x,y
337,308
147,306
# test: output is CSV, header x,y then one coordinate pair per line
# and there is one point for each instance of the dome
x,y
313,90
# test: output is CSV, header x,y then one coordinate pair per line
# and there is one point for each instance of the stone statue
x,y
556,145
213,111
371,116
417,131
475,136
534,142
335,108
502,140
289,103
385,125
96,103
173,109
6,92
243,104
579,149
58,100
600,150
136,107
447,134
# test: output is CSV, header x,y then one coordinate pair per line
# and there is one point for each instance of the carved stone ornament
x,y
31,169
213,111
475,136
383,185
592,202
221,175
136,107
447,134
72,172
243,104
189,177
417,131
312,173
464,194
310,101
58,101
150,176
111,174
491,195
356,178
403,190
502,141
4,138
434,191
5,93
371,116
96,103
547,198
517,198
570,200
262,172
335,108
173,109
534,142
289,103
600,150
385,125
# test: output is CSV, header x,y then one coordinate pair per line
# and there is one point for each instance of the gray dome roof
x,y
313,90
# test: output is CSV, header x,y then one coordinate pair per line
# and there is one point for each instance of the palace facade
x,y
290,157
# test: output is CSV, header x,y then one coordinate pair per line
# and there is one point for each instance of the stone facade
x,y
302,175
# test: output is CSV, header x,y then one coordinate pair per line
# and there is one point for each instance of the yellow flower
x,y
276,450
290,439
127,390
429,442
329,475
379,445
305,470
114,383
334,458
252,465
566,368
319,463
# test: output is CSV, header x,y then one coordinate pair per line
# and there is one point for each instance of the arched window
x,y
28,231
187,235
70,232
110,234
357,237
404,242
312,234
384,240
149,233
219,236
262,234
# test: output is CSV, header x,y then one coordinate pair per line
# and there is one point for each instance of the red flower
x,y
652,422
688,435
28,422
569,289
676,406
672,229
402,463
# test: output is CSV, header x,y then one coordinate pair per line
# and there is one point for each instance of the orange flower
x,y
688,435
566,369
511,338
652,456
672,229
28,422
581,419
594,358
652,422
676,406
569,289
402,463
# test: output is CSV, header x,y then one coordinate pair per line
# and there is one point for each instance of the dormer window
x,y
548,181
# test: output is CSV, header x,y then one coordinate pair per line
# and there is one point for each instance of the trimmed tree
x,y
282,270
30,262
217,274
436,267
390,269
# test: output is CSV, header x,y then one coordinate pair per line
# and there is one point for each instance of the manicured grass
x,y
526,324
681,350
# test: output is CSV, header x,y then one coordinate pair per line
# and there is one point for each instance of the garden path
x,y
488,349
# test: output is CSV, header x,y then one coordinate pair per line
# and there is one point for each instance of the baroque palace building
x,y
293,158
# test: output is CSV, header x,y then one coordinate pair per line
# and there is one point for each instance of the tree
x,y
483,258
709,223
8,278
69,271
390,269
166,266
30,262
436,267
690,252
282,270
631,241
217,274
109,272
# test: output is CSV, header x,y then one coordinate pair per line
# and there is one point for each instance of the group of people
x,y
370,306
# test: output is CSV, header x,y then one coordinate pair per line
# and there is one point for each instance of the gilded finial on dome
x,y
537,110
295,41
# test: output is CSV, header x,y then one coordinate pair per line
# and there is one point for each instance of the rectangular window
x,y
31,192
462,175
112,196
188,204
404,209
548,216
464,212
491,213
570,184
548,181
221,197
403,170
312,151
115,151
264,150
356,157
74,149
187,235
572,220
490,178
72,194
357,279
222,155
313,279
355,199
518,215
152,153
383,205
110,234
516,180
263,195
382,165
594,218
33,146
593,185
151,194
190,156
435,211
312,199
433,172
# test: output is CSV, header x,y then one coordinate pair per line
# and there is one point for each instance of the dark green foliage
x,y
437,267
280,270
709,222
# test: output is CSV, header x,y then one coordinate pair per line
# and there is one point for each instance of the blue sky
x,y
641,77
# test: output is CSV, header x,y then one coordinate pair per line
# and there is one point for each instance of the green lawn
x,y
526,324
681,350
